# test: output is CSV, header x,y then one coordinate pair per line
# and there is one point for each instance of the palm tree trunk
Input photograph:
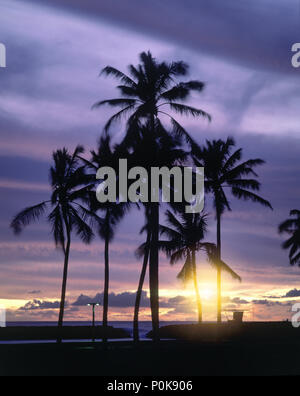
x,y
154,258
153,270
219,285
64,282
106,286
139,292
198,298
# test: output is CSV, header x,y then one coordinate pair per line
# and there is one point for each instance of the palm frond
x,y
289,242
224,267
83,230
295,212
88,163
89,216
244,183
295,260
188,110
182,90
170,247
169,232
173,221
115,102
248,195
236,156
186,273
289,226
141,250
177,255
230,271
178,68
246,168
294,248
179,131
55,218
127,90
116,117
27,216
112,71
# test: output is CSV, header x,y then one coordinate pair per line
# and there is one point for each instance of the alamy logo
x,y
2,316
2,55
296,316
144,187
296,57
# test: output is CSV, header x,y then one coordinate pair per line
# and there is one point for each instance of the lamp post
x,y
93,305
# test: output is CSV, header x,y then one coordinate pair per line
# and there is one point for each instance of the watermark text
x,y
2,316
2,55
180,184
296,316
296,57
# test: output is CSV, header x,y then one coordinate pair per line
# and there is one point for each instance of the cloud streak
x,y
38,304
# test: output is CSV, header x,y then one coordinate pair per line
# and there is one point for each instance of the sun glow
x,y
206,293
12,304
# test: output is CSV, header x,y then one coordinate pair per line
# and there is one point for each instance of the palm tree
x,y
291,227
159,149
110,212
148,88
113,213
185,238
223,169
145,92
69,184
145,255
186,232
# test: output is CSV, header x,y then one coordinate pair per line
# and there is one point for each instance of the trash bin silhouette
x,y
238,316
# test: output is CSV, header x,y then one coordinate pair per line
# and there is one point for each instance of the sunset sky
x,y
55,51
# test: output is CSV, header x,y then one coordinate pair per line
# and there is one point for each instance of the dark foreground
x,y
245,333
256,350
18,333
169,358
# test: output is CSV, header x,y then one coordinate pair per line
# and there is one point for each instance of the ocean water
x,y
144,327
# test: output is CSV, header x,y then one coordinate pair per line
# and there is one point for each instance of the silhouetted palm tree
x,y
152,150
145,92
223,169
69,184
149,87
110,212
291,227
145,255
186,232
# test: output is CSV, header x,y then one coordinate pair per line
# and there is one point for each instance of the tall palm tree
x,y
159,149
186,232
145,255
110,212
145,92
223,169
291,227
69,184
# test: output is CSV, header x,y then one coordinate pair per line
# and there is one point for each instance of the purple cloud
x,y
38,304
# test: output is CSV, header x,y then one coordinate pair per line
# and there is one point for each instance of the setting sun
x,y
206,293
